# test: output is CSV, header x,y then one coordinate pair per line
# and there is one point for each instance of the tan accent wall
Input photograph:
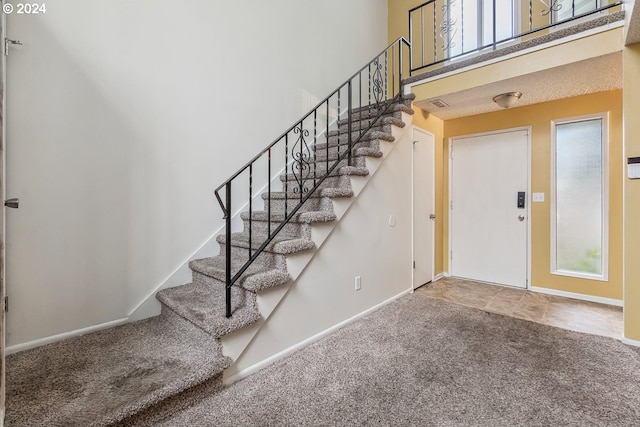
x,y
539,117
431,123
631,105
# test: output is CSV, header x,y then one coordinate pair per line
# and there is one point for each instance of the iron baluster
x,y
435,39
393,69
494,25
227,250
400,68
326,137
269,193
250,206
422,32
315,142
339,116
286,173
530,15
462,26
386,76
349,118
368,105
360,100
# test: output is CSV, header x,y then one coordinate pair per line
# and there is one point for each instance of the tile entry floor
x,y
566,313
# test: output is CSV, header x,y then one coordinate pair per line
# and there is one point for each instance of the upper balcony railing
x,y
443,30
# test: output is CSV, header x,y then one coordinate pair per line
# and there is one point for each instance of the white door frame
x,y
433,196
528,201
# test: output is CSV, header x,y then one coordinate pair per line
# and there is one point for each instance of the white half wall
x,y
362,244
123,116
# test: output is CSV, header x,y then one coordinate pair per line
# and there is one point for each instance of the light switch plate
x,y
538,197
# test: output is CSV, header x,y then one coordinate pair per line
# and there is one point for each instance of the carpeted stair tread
x,y
255,278
204,306
283,245
307,217
105,376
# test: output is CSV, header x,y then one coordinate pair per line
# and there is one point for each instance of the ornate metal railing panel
x,y
442,30
303,153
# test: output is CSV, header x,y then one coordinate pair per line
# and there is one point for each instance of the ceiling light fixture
x,y
506,100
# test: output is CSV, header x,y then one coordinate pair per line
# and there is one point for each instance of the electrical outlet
x,y
358,283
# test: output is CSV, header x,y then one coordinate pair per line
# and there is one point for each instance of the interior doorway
x,y
423,206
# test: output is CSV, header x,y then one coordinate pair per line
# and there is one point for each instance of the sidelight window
x,y
579,199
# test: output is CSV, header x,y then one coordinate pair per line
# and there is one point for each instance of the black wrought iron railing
x,y
305,153
443,30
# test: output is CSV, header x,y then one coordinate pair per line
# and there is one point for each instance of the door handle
x,y
520,218
12,203
432,216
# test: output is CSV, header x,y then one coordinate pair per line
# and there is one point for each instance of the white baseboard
x,y
630,342
584,297
439,276
268,361
54,338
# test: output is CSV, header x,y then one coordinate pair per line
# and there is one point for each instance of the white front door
x,y
423,206
489,204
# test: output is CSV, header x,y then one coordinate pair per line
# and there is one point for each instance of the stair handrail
x,y
384,94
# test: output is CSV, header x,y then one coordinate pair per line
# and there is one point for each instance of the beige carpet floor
x,y
421,361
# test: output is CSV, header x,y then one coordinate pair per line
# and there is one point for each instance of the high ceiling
x,y
579,78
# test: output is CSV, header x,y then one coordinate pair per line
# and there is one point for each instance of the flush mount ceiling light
x,y
506,100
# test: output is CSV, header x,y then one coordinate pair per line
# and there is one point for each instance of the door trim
x,y
433,203
447,210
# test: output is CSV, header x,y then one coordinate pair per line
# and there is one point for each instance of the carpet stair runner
x,y
130,374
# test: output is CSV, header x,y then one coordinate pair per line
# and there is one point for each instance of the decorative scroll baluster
x,y
552,6
301,155
448,26
378,83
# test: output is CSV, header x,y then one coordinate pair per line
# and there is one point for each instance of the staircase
x,y
135,373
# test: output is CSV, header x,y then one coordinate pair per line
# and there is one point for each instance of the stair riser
x,y
293,230
313,204
340,149
357,131
340,181
241,295
265,259
319,172
355,125
357,161
367,116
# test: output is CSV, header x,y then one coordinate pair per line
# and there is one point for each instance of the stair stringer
x,y
235,343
